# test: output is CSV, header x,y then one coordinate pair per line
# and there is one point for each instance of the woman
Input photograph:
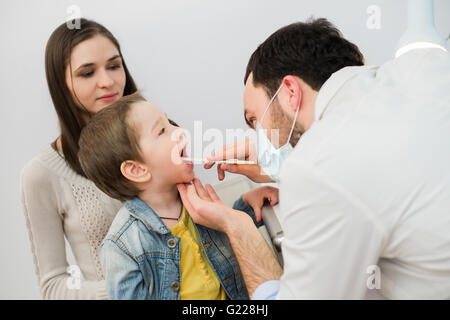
x,y
85,73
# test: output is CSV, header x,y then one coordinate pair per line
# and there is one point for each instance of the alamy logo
x,y
374,19
374,280
74,280
73,20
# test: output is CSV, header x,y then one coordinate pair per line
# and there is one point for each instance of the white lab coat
x,y
367,188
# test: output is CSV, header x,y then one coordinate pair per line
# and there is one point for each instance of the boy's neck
x,y
164,200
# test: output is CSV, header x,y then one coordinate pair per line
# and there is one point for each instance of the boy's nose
x,y
178,135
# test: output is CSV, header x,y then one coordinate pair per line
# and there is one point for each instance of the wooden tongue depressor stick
x,y
228,161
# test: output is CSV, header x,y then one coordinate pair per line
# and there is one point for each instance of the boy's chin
x,y
187,177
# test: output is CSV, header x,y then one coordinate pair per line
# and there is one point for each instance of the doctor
x,y
362,158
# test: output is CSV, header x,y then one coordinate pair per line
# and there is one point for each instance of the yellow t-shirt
x,y
198,279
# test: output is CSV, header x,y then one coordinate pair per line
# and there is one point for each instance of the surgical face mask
x,y
270,159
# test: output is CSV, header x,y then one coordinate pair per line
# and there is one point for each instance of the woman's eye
x,y
114,67
87,74
162,131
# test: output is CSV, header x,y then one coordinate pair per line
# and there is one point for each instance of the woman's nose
x,y
104,80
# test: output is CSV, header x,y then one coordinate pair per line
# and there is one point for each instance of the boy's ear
x,y
135,171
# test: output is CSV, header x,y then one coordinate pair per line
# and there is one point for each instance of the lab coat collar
x,y
333,85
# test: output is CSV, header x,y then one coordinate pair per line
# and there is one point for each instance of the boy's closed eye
x,y
163,129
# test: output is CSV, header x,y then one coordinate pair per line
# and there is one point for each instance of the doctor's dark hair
x,y
312,50
57,58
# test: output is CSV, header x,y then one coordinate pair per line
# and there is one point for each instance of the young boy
x,y
153,250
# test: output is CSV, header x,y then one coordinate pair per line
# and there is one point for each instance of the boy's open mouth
x,y
183,152
184,155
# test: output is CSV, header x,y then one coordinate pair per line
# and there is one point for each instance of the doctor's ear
x,y
293,91
134,171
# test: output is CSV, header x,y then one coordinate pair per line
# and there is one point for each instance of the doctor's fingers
x,y
201,211
212,193
257,212
182,189
192,201
272,194
251,171
256,204
220,172
221,155
245,149
232,168
244,169
201,190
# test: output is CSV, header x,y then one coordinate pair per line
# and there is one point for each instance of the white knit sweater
x,y
58,202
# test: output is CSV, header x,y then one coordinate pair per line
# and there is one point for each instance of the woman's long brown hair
x,y
57,58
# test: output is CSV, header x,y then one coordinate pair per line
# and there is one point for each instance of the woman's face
x,y
95,75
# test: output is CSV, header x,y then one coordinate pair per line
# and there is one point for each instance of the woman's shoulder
x,y
39,184
39,168
47,165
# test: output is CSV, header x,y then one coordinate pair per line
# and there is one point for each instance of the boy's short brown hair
x,y
105,142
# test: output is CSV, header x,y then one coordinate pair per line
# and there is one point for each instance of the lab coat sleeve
x,y
267,290
332,239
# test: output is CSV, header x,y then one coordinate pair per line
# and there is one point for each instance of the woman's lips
x,y
108,98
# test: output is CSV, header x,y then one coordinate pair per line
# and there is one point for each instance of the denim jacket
x,y
141,258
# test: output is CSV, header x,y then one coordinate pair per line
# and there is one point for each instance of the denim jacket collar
x,y
142,211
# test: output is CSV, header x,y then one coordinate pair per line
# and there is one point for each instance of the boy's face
x,y
162,145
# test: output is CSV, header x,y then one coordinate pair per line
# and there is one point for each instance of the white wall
x,y
189,57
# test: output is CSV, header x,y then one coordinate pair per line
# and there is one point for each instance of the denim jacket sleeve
x,y
124,280
241,205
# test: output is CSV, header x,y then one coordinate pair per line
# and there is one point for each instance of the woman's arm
x,y
40,201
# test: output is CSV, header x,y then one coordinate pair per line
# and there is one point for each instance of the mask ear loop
x,y
270,102
295,119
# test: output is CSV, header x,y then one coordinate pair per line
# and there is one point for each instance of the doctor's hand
x,y
239,150
256,198
205,207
